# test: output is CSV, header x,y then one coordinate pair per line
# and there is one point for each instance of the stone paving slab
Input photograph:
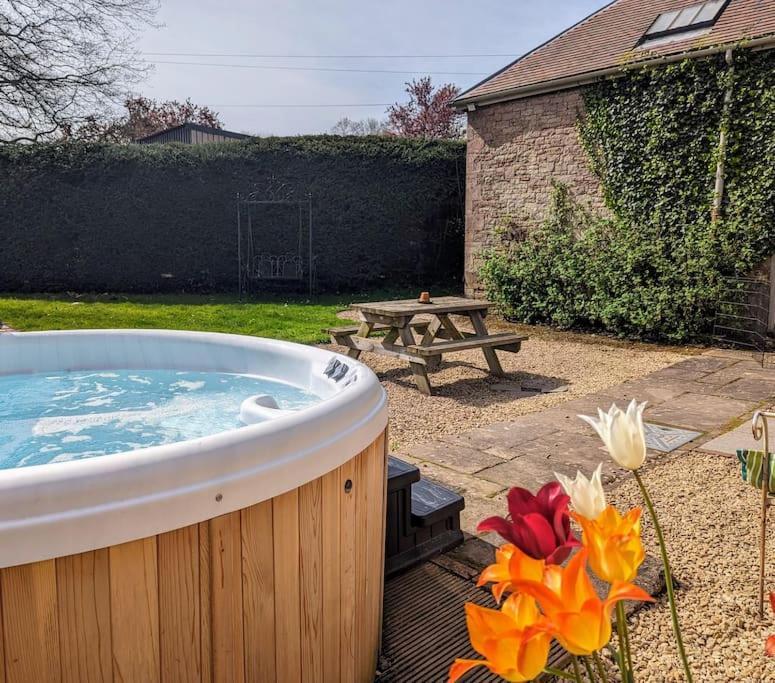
x,y
703,363
749,388
679,373
565,417
699,412
461,458
504,436
561,452
533,472
740,437
653,391
584,405
464,484
529,472
737,371
703,394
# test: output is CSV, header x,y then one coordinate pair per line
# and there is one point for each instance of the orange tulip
x,y
769,645
614,545
510,562
514,640
581,621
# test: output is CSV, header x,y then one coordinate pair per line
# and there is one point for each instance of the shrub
x,y
655,266
116,218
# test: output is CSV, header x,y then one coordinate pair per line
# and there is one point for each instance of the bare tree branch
x,y
143,117
63,62
370,126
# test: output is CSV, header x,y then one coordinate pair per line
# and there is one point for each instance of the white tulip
x,y
586,495
622,433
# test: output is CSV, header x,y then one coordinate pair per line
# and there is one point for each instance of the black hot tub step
x,y
423,518
433,503
401,475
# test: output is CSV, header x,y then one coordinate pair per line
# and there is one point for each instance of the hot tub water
x,y
61,416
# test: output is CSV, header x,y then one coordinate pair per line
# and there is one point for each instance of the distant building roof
x,y
192,134
615,35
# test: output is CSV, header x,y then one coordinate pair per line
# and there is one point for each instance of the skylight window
x,y
702,15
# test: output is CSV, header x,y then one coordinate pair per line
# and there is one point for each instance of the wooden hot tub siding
x,y
289,589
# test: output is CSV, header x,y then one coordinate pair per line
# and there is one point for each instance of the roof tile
x,y
610,37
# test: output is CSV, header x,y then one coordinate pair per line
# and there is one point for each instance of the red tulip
x,y
538,525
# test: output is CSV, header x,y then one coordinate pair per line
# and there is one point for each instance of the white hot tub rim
x,y
65,508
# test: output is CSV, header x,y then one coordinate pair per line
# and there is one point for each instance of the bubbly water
x,y
54,417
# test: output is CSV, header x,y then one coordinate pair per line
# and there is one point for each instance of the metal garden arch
x,y
255,264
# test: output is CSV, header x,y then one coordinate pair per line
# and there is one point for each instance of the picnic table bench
x,y
437,333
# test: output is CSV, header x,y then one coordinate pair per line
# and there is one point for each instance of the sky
x,y
308,33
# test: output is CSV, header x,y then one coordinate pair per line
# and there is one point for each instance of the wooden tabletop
x,y
408,307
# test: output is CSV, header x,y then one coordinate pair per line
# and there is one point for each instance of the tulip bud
x,y
586,495
622,433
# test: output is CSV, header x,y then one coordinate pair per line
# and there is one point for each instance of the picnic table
x,y
422,342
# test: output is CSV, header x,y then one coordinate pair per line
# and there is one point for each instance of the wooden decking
x,y
424,622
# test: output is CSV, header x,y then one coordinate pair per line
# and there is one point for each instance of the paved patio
x,y
710,394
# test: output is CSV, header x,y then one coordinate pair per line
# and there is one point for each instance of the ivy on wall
x,y
654,266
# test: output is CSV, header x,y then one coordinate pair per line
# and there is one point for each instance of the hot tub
x,y
253,554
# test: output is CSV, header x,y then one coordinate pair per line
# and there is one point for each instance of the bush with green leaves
x,y
655,265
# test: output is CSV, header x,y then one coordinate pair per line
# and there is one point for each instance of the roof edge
x,y
199,127
530,52
546,87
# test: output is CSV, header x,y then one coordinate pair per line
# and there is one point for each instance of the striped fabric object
x,y
751,465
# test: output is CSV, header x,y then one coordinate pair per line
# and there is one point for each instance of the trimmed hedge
x,y
87,217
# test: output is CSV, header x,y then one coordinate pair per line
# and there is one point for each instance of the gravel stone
x,y
711,522
464,398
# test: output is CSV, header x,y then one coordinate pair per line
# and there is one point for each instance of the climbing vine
x,y
655,264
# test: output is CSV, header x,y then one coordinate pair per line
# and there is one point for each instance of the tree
x,y
144,117
64,62
427,114
370,126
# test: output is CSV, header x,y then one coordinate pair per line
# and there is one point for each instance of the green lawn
x,y
294,319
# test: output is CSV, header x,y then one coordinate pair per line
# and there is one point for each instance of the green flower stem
x,y
624,643
621,660
600,667
627,643
588,667
576,670
668,578
559,674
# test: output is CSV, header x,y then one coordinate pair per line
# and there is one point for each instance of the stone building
x,y
522,120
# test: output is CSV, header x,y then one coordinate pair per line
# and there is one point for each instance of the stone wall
x,y
515,150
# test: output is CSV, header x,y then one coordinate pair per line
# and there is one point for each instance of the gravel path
x,y
711,523
466,396
710,517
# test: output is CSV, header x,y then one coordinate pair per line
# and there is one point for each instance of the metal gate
x,y
742,316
